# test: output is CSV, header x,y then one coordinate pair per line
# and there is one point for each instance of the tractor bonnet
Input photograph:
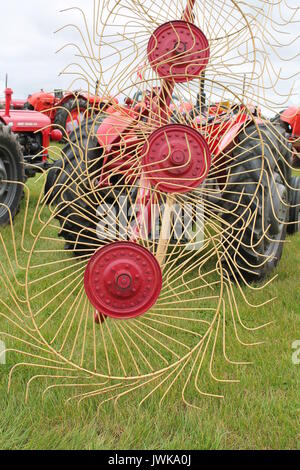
x,y
24,120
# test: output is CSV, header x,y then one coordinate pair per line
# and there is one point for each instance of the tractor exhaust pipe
x,y
8,99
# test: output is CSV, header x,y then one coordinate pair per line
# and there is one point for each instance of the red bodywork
x,y
24,122
116,130
119,136
291,117
49,104
15,104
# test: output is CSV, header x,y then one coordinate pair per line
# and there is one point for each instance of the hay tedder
x,y
159,208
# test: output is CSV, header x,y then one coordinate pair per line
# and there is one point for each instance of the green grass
x,y
261,412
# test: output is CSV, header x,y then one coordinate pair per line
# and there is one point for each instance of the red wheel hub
x,y
123,280
178,51
176,159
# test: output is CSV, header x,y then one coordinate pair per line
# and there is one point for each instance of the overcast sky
x,y
28,44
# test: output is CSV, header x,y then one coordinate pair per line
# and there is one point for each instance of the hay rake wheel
x,y
159,230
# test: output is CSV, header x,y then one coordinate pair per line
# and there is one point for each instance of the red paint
x,y
15,103
292,117
123,280
74,119
56,135
24,121
176,159
228,137
49,104
8,95
178,51
113,134
115,126
220,133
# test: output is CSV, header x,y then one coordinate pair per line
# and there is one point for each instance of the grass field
x,y
261,412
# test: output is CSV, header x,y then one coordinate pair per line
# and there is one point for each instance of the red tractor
x,y
66,110
15,104
289,120
231,161
110,141
24,141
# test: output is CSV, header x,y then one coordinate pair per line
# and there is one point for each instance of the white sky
x,y
28,45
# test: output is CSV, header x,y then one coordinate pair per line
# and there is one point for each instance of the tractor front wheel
x,y
11,175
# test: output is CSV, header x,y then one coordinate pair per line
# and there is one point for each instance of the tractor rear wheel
x,y
295,206
11,175
70,116
255,202
68,187
28,106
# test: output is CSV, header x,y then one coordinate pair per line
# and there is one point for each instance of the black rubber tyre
x,y
11,169
63,114
68,187
253,230
28,106
295,206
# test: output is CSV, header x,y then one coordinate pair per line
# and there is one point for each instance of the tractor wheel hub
x,y
123,280
178,51
176,158
3,178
